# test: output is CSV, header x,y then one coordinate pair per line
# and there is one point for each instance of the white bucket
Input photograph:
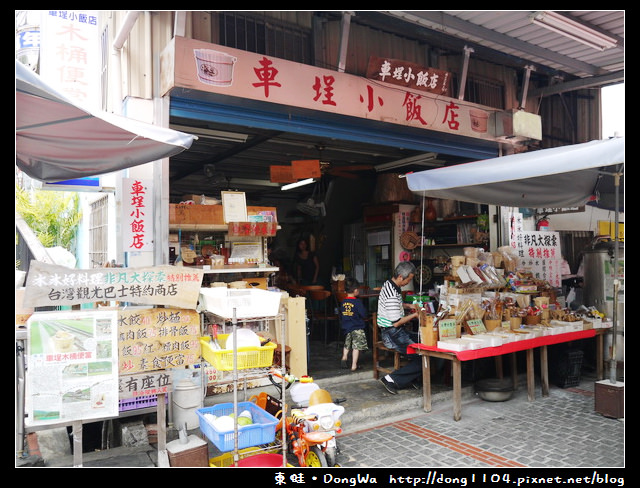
x,y
479,120
187,398
214,67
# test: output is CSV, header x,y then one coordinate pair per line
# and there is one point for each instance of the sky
x,y
613,110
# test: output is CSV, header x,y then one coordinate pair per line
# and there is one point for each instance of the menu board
x,y
151,339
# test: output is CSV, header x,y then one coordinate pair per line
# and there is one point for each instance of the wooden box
x,y
207,214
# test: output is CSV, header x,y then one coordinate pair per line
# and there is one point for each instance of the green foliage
x,y
53,216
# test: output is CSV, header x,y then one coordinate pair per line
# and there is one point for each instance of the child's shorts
x,y
356,339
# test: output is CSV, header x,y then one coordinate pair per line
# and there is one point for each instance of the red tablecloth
x,y
515,346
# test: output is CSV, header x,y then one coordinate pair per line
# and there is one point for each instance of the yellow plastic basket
x,y
247,357
225,460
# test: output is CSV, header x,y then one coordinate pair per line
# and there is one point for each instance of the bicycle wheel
x,y
315,458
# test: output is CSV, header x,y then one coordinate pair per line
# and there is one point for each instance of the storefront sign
x,y
198,65
137,215
51,285
70,57
409,75
72,373
538,252
157,338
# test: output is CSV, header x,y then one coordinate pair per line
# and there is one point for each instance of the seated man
x,y
392,321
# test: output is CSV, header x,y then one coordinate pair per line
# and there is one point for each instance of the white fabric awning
x,y
564,176
58,140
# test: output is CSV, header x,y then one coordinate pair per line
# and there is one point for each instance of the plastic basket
x,y
140,402
248,303
262,431
247,357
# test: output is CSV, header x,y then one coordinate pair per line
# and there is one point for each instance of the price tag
x,y
447,329
476,326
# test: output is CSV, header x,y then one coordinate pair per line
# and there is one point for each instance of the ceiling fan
x,y
313,207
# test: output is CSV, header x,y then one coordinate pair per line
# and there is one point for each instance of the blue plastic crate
x,y
262,431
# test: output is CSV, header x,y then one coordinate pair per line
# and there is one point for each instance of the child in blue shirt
x,y
353,314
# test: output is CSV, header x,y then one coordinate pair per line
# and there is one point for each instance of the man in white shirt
x,y
391,319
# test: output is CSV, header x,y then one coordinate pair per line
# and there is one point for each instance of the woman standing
x,y
306,263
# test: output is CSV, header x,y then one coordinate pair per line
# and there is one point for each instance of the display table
x,y
456,358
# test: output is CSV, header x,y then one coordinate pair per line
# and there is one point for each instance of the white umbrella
x,y
59,140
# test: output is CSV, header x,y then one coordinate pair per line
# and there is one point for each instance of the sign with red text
x,y
538,252
150,339
198,65
51,285
73,371
137,215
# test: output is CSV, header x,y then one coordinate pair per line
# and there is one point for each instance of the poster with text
x,y
72,371
151,339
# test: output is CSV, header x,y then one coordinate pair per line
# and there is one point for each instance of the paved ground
x,y
558,431
381,430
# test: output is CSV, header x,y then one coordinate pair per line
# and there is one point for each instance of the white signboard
x,y
137,215
537,251
51,285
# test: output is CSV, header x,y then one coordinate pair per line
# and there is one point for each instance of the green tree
x,y
53,216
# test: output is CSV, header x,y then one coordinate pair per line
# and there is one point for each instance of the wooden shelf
x,y
464,244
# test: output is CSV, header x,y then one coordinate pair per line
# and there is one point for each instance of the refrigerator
x,y
372,248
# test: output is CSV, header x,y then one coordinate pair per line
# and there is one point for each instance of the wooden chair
x,y
380,351
320,312
339,296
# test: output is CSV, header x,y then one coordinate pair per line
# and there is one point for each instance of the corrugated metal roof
x,y
513,33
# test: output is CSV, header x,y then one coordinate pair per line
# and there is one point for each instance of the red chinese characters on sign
x,y
267,75
137,215
69,38
324,87
138,202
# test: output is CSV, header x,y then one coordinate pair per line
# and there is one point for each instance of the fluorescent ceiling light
x,y
217,135
573,30
297,184
427,159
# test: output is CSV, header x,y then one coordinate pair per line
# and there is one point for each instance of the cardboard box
x,y
256,283
206,214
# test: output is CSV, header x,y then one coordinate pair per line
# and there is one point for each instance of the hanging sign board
x,y
538,252
52,285
73,372
409,75
150,339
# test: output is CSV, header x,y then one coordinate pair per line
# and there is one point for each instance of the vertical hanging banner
x,y
537,251
70,58
73,370
137,215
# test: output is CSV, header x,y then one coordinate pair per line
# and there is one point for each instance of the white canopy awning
x,y
58,140
564,176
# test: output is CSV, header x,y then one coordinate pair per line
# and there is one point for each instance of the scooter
x,y
311,427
